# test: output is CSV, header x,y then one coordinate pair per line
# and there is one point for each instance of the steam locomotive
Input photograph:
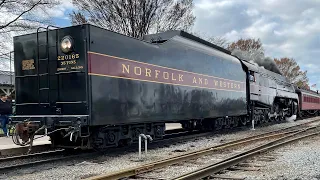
x,y
89,87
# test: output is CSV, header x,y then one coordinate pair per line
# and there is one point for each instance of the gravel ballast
x,y
111,164
296,161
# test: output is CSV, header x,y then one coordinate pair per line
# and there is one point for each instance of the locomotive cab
x,y
251,76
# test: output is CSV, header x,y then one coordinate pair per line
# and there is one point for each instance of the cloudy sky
x,y
286,28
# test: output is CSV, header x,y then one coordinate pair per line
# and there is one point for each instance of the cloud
x,y
286,28
59,11
252,12
40,14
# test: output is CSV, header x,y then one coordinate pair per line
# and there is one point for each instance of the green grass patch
x,y
1,131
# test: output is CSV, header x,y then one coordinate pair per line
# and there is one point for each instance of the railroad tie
x,y
148,177
249,165
243,168
269,156
264,159
226,177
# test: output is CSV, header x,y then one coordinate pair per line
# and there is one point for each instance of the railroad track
x,y
24,149
26,156
36,159
140,171
210,170
173,133
24,161
176,136
49,156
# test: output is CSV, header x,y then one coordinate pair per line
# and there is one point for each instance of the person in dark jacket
x,y
5,111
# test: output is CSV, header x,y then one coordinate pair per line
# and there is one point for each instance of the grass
x,y
1,132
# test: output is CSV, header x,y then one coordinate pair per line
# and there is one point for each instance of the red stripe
x,y
105,65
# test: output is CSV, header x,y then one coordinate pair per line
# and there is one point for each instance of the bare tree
x,y
219,41
216,40
78,18
290,69
135,18
21,15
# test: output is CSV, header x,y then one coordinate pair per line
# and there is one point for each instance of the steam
x,y
291,119
257,58
269,64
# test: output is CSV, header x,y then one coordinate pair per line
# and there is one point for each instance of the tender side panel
x,y
52,83
134,81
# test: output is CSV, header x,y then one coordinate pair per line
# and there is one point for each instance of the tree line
x,y
287,66
134,18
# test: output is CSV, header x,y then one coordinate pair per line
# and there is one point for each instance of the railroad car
x,y
309,103
89,87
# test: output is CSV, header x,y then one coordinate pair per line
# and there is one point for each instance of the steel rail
x,y
176,136
169,161
38,154
39,162
24,149
216,167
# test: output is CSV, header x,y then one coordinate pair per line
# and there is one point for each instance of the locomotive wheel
x,y
273,119
243,121
265,116
256,118
278,117
282,116
235,122
217,124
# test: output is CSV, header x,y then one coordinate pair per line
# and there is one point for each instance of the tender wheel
x,y
217,124
243,121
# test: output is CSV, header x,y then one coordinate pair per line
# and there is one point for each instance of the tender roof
x,y
164,36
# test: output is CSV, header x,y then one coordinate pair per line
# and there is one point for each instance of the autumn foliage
x,y
290,69
248,45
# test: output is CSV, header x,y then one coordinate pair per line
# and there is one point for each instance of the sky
x,y
286,28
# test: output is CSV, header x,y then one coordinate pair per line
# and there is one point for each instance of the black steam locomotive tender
x,y
89,87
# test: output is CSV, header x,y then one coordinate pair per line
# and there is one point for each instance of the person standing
x,y
5,111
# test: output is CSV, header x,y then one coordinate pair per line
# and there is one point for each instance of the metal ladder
x,y
47,59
